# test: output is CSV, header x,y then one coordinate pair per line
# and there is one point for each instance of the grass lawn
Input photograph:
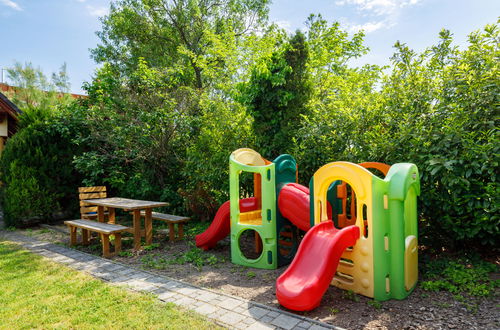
x,y
36,293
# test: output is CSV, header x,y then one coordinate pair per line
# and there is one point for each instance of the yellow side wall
x,y
360,273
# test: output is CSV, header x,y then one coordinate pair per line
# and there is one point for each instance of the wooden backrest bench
x,y
171,220
88,211
104,229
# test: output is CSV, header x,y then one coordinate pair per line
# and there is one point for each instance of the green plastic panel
x,y
286,172
399,221
267,229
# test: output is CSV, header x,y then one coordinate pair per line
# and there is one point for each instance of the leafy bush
x,y
436,109
36,168
439,112
224,127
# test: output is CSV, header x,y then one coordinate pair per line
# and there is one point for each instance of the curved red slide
x,y
293,203
220,226
304,283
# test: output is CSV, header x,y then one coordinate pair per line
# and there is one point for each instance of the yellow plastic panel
x,y
248,156
360,179
251,218
411,262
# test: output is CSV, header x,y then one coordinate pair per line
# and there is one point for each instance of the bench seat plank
x,y
99,227
166,217
104,229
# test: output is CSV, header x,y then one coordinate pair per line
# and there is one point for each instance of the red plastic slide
x,y
304,283
293,203
220,226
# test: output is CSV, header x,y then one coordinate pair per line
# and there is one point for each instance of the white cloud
x,y
97,11
378,7
369,27
383,14
11,4
286,25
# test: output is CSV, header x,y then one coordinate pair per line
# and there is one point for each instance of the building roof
x,y
8,107
8,88
9,112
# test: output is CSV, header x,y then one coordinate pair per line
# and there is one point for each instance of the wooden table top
x,y
124,203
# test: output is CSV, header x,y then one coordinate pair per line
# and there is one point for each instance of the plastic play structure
x,y
275,236
361,230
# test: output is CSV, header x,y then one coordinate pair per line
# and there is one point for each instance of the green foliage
x,y
224,127
350,295
466,275
334,311
35,90
197,257
440,114
151,247
344,102
36,168
277,94
436,109
25,201
137,143
192,37
375,304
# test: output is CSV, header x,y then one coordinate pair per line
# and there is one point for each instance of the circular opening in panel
x,y
250,244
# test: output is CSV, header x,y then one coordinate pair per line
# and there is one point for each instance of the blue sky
x,y
51,32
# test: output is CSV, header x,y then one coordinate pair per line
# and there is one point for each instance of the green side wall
x,y
267,231
402,186
286,172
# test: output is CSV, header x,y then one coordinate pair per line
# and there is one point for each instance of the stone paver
x,y
257,312
228,311
260,326
285,321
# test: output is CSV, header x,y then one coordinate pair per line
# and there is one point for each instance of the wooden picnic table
x,y
127,204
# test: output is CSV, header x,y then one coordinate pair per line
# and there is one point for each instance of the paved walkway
x,y
226,310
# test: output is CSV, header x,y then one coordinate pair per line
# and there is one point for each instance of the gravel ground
x,y
422,310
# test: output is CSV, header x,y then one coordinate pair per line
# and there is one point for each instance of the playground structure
x,y
363,240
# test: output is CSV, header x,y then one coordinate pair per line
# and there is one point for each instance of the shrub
x,y
37,171
437,110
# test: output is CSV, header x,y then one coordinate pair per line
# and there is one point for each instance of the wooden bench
x,y
171,220
86,211
104,229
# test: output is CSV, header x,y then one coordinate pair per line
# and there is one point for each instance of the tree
x,y
34,90
277,95
191,38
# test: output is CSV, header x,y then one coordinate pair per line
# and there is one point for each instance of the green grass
x,y
467,274
35,293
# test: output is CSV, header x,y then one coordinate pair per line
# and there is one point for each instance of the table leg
x,y
105,245
171,232
137,230
118,242
72,235
148,226
111,216
180,229
100,213
85,237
